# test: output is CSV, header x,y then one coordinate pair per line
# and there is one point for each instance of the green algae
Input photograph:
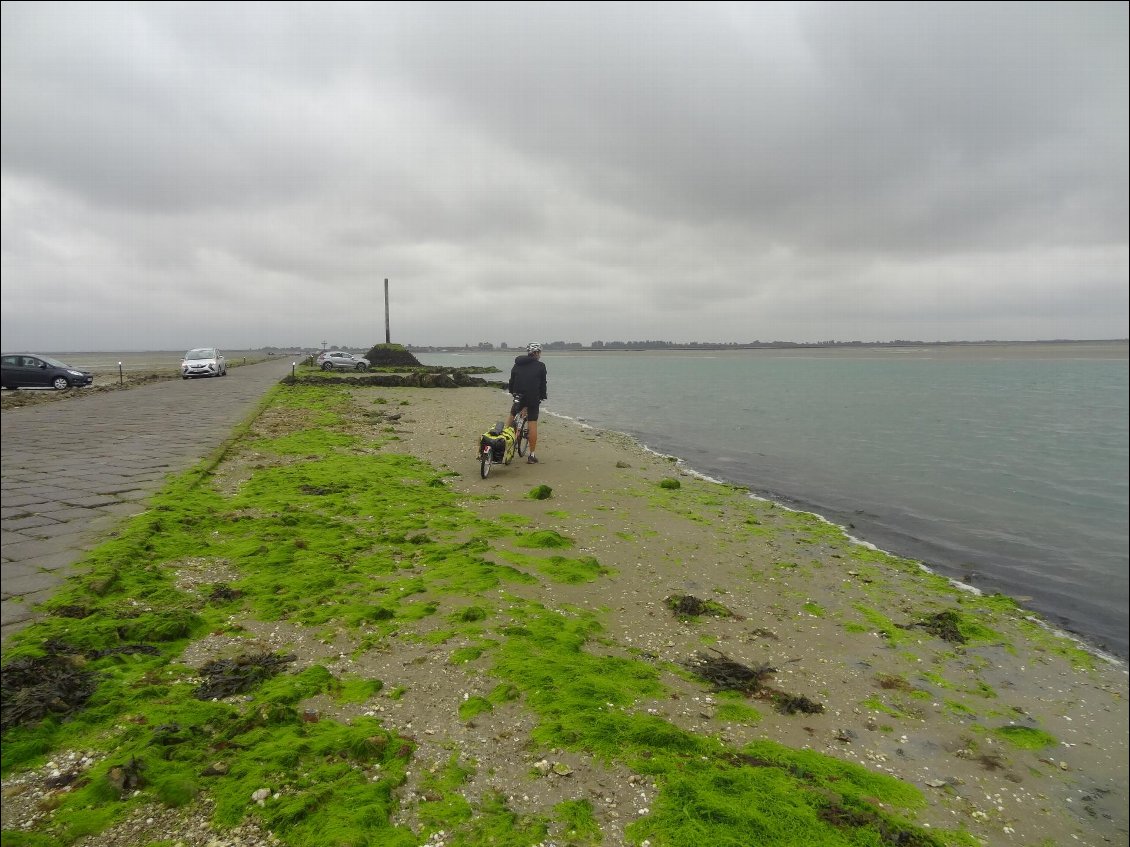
x,y
171,741
546,539
1025,737
958,708
895,711
472,707
333,791
952,625
317,569
470,614
737,713
577,823
583,702
356,689
305,443
463,655
767,794
349,538
560,568
936,679
573,571
880,623
442,807
496,824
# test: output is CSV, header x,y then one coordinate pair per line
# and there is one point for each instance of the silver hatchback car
x,y
203,361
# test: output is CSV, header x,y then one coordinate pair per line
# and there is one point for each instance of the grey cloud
x,y
695,170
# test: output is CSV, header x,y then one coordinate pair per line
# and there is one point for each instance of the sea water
x,y
1004,466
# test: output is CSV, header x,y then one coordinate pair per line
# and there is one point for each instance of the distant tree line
x,y
724,345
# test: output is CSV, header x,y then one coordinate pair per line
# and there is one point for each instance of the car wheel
x,y
359,367
328,366
60,383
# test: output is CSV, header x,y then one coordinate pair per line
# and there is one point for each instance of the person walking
x,y
528,386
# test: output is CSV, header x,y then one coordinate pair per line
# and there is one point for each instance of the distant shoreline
x,y
1115,349
659,347
637,347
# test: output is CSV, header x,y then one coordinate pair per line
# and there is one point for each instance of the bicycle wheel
x,y
485,460
523,439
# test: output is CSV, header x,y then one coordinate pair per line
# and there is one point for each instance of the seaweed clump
x,y
125,778
688,606
790,704
727,675
223,593
856,818
34,688
225,677
944,625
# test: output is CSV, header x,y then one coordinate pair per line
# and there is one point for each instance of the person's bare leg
x,y
533,425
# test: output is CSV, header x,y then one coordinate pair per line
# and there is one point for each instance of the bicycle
x,y
521,432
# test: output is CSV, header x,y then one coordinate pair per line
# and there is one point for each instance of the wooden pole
x,y
388,337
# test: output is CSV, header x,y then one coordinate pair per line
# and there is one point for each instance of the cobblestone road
x,y
71,470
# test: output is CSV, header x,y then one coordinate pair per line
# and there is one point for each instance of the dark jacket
x,y
528,378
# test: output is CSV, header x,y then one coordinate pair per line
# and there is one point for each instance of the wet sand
x,y
921,709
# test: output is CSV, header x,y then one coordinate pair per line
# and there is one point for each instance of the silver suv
x,y
341,361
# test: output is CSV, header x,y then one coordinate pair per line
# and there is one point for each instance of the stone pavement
x,y
73,469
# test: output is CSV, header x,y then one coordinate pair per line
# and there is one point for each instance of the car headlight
x,y
75,373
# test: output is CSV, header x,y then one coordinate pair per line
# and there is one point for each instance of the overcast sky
x,y
249,174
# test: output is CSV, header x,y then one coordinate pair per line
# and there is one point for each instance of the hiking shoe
x,y
532,460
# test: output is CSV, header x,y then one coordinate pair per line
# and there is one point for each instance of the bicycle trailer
x,y
500,440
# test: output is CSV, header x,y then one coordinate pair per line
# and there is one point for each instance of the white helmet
x,y
533,347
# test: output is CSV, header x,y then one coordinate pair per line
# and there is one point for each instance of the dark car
x,y
31,370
